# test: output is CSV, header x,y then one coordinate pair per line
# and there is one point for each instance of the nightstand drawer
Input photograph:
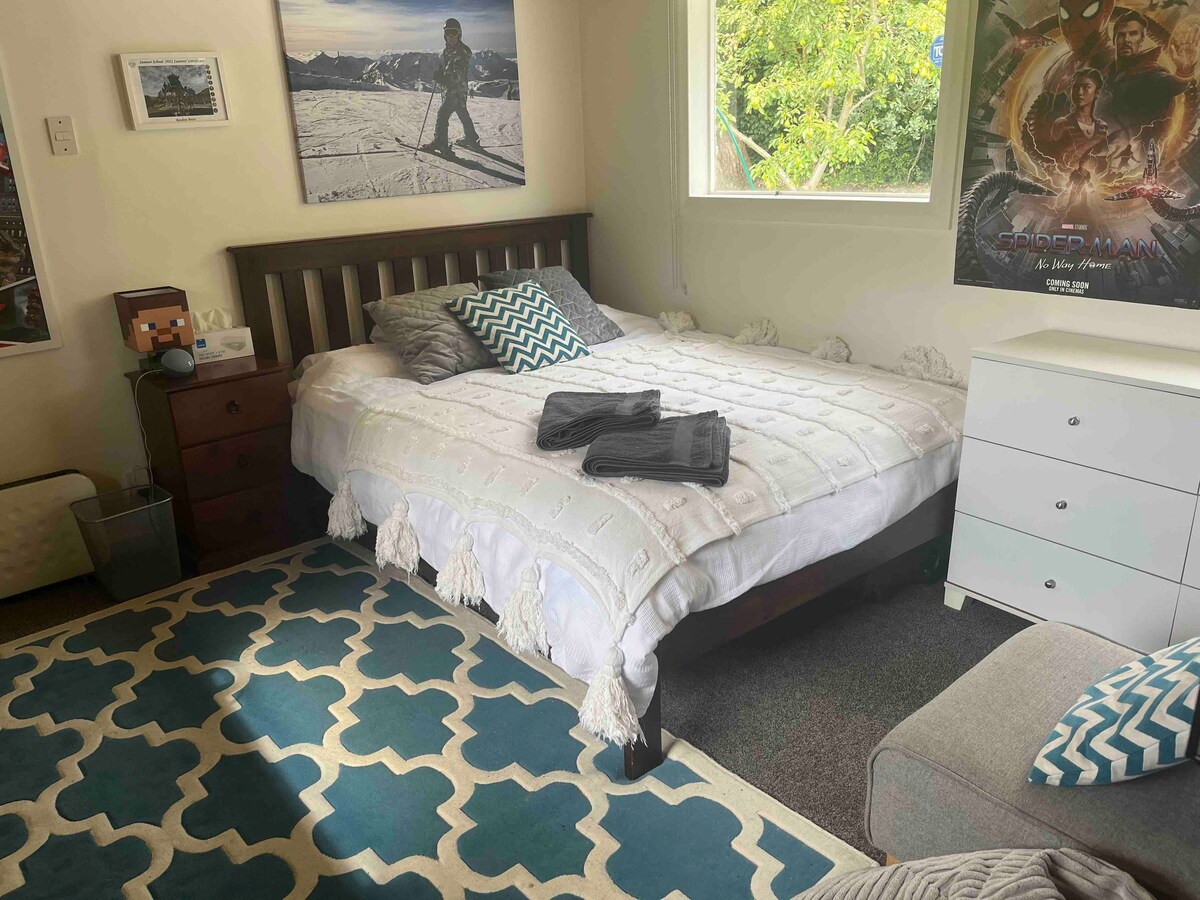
x,y
1131,522
242,518
235,464
222,410
1142,433
1060,584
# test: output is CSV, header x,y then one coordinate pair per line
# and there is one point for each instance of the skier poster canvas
x,y
1082,164
395,98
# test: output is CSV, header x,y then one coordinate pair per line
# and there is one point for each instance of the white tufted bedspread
x,y
802,428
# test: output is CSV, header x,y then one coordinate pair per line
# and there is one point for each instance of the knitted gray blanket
x,y
987,875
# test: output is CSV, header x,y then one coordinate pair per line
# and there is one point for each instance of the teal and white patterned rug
x,y
306,726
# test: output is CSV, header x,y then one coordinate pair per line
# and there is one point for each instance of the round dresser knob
x,y
1061,504
1074,420
1051,584
243,461
233,407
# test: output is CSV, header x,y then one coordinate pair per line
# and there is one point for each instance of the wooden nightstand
x,y
220,442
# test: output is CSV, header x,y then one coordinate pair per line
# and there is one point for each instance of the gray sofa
x,y
953,777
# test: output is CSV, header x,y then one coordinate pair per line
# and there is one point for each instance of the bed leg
x,y
641,758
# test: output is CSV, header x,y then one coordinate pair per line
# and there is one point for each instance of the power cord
x,y
142,428
149,459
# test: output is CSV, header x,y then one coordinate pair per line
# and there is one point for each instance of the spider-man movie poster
x,y
1082,164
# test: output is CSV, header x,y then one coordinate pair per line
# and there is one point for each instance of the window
x,y
833,99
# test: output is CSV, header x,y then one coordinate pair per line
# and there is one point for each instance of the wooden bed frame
x,y
284,284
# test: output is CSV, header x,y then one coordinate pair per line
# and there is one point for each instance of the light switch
x,y
62,136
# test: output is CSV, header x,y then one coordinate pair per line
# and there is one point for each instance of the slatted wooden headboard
x,y
283,285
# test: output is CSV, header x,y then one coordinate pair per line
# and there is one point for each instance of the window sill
x,y
819,196
851,210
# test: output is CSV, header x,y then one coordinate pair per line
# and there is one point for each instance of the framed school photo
x,y
174,90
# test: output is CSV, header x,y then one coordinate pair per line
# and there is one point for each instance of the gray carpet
x,y
796,707
52,605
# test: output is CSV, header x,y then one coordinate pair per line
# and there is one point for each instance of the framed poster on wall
x,y
27,323
1081,173
398,99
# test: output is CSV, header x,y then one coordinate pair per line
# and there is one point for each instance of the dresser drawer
x,y
1064,585
234,464
1131,522
1139,432
242,518
1187,619
1191,570
219,411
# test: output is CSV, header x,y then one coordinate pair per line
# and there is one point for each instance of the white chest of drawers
x,y
1078,492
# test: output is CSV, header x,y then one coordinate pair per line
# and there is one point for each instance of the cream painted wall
x,y
141,209
880,288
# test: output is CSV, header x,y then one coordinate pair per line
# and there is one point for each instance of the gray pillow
x,y
568,294
431,341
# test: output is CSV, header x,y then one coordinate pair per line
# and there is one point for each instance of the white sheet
x,y
337,385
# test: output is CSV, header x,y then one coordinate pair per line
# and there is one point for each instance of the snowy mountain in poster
x,y
438,110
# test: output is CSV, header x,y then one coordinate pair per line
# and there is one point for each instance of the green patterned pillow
x,y
521,326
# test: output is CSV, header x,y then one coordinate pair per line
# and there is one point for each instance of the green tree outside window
x,y
827,95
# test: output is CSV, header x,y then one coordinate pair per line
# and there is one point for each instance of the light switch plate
x,y
62,136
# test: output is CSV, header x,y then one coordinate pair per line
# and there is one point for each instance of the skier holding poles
x,y
452,75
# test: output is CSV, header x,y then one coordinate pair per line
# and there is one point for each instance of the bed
x,y
306,295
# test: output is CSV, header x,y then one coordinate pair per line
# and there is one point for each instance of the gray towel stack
x,y
571,419
687,448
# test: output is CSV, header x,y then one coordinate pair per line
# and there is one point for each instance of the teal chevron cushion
x,y
1134,721
521,326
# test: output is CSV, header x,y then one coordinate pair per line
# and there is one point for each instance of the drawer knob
x,y
1061,504
1074,420
233,407
243,461
1051,584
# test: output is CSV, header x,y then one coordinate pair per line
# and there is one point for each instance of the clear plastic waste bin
x,y
130,535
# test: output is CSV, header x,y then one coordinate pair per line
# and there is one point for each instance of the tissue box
x,y
230,343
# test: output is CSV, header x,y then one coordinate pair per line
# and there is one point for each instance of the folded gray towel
x,y
571,419
688,448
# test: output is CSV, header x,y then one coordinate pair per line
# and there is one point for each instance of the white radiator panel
x,y
39,539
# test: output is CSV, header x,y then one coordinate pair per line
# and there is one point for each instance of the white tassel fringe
x,y
761,332
396,544
461,580
607,711
522,623
345,516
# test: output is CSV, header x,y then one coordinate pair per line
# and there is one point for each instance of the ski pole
x,y
425,122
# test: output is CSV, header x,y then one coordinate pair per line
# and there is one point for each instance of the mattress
x,y
336,386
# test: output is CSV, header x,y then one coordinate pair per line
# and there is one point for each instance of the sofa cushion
x,y
953,777
1133,722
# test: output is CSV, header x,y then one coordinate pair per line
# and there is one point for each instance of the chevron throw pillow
x,y
521,326
1134,721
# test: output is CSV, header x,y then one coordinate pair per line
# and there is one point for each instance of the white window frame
x,y
697,48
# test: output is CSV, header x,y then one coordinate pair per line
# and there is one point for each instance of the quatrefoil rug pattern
x,y
307,726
